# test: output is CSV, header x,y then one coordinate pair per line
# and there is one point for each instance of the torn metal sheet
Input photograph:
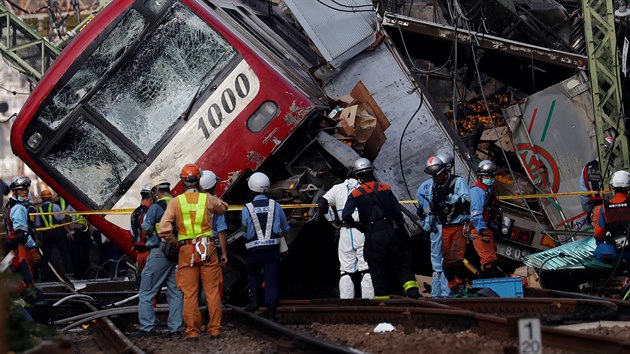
x,y
551,134
339,32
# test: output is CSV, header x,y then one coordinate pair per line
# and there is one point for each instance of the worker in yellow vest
x,y
190,215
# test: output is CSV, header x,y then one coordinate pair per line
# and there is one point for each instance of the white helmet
x,y
434,166
620,180
362,165
486,168
447,157
208,179
259,182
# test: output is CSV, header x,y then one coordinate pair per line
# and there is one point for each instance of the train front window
x,y
90,160
151,90
96,65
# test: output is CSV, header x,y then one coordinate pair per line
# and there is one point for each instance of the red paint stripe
x,y
531,122
571,219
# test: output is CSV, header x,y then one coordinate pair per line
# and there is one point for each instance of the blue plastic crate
x,y
504,287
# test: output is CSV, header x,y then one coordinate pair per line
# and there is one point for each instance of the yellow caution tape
x,y
302,206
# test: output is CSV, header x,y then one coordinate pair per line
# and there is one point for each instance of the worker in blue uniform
x,y
264,228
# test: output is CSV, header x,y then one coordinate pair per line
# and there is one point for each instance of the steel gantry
x,y
603,62
25,48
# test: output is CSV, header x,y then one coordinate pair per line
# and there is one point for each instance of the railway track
x,y
418,314
491,317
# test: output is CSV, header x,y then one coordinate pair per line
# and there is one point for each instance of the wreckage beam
x,y
485,41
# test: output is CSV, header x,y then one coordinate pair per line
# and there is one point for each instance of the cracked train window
x,y
90,160
105,57
169,69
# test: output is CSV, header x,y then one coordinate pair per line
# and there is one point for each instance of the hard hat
x,y
259,182
362,165
446,157
46,194
486,168
620,180
434,166
191,174
146,191
208,179
20,182
159,183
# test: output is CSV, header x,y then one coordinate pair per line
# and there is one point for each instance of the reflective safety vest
x,y
47,219
262,213
193,217
162,202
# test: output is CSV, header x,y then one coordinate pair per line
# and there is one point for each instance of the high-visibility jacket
x,y
48,220
262,214
193,216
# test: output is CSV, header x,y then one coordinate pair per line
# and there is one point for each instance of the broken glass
x,y
99,62
147,95
90,160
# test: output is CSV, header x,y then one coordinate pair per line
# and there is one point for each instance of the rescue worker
x,y
208,183
159,269
355,279
56,237
190,216
138,237
444,204
381,220
611,229
19,233
80,242
591,180
264,227
486,216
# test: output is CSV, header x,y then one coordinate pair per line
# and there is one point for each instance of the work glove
x,y
485,235
21,236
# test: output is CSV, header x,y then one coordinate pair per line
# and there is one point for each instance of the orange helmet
x,y
191,174
46,194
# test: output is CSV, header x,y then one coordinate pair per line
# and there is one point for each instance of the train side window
x,y
95,66
90,160
263,115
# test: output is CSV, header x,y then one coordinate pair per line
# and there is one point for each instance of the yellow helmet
x,y
160,182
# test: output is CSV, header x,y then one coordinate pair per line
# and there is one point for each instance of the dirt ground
x,y
360,337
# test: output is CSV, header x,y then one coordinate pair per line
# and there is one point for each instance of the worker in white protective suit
x,y
355,279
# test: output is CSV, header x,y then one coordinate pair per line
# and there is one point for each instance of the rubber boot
x,y
413,293
271,313
253,302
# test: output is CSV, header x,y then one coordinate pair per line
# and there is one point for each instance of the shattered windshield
x,y
147,95
99,62
90,160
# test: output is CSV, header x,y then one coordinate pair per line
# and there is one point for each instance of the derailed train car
x,y
150,85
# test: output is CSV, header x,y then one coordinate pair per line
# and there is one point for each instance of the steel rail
x,y
452,319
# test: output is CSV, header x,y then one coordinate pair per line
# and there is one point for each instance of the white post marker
x,y
529,337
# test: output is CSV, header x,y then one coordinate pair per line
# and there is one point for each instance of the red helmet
x,y
191,174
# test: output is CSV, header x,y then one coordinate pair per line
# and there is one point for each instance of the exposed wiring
x,y
402,135
343,10
13,92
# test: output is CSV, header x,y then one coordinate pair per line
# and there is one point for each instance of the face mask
x,y
487,181
21,199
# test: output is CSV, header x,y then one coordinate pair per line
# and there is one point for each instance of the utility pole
x,y
603,69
